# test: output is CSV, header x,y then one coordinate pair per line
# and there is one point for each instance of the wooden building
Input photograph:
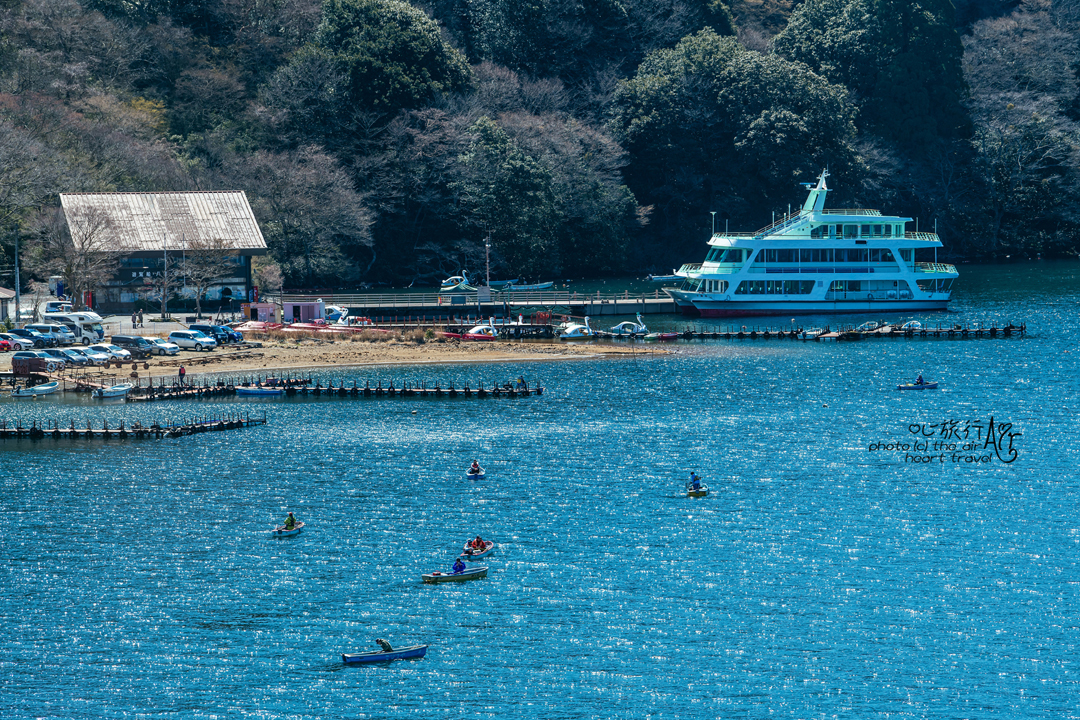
x,y
153,232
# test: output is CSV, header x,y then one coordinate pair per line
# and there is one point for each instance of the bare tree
x,y
206,261
268,277
79,250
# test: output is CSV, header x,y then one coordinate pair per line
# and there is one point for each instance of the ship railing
x,y
922,236
689,268
785,221
925,267
829,269
852,211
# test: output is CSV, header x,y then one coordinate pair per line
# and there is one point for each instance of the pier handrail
x,y
427,300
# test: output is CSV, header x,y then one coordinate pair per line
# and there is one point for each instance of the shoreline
x,y
267,356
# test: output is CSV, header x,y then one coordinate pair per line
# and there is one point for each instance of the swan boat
x,y
456,284
478,332
817,261
474,573
629,328
120,390
413,651
44,389
577,331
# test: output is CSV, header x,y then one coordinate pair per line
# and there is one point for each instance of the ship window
x,y
878,229
906,254
816,232
712,254
864,230
899,232
851,231
733,255
815,255
832,231
887,256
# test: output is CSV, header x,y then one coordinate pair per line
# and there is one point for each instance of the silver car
x,y
97,358
163,347
114,351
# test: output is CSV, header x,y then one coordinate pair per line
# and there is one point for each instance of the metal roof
x,y
152,222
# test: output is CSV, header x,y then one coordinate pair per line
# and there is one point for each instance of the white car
x,y
114,351
192,340
17,342
163,347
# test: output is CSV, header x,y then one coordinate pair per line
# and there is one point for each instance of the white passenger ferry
x,y
817,261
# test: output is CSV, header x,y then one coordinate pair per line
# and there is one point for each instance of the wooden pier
x,y
193,426
955,332
307,387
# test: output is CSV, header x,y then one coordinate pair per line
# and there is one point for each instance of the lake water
x,y
826,575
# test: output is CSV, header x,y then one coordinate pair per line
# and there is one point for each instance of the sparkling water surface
x,y
820,578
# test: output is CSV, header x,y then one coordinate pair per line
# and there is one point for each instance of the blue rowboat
x,y
259,391
470,574
280,530
470,475
413,651
917,386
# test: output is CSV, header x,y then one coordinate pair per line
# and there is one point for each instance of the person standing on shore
x,y
182,373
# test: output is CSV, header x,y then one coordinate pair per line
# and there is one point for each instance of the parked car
x,y
4,345
139,347
192,340
114,351
222,335
163,347
95,357
61,334
39,340
57,306
17,342
70,356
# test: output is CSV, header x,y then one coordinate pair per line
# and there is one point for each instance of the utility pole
x,y
487,258
18,291
713,213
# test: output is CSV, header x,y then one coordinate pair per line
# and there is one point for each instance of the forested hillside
x,y
383,141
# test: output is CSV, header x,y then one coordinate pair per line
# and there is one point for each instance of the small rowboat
x,y
413,651
702,491
259,391
662,337
114,391
470,574
473,554
474,475
917,386
49,387
280,530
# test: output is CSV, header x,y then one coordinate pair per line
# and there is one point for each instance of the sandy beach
x,y
267,356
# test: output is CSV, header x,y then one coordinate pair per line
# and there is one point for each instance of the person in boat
x,y
919,380
695,480
384,645
290,522
478,543
458,566
475,468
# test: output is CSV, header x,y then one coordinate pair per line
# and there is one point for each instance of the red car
x,y
4,346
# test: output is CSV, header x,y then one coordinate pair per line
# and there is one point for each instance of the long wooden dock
x,y
955,332
307,387
193,426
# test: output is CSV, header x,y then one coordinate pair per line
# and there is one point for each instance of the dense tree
x,y
392,53
900,60
712,126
